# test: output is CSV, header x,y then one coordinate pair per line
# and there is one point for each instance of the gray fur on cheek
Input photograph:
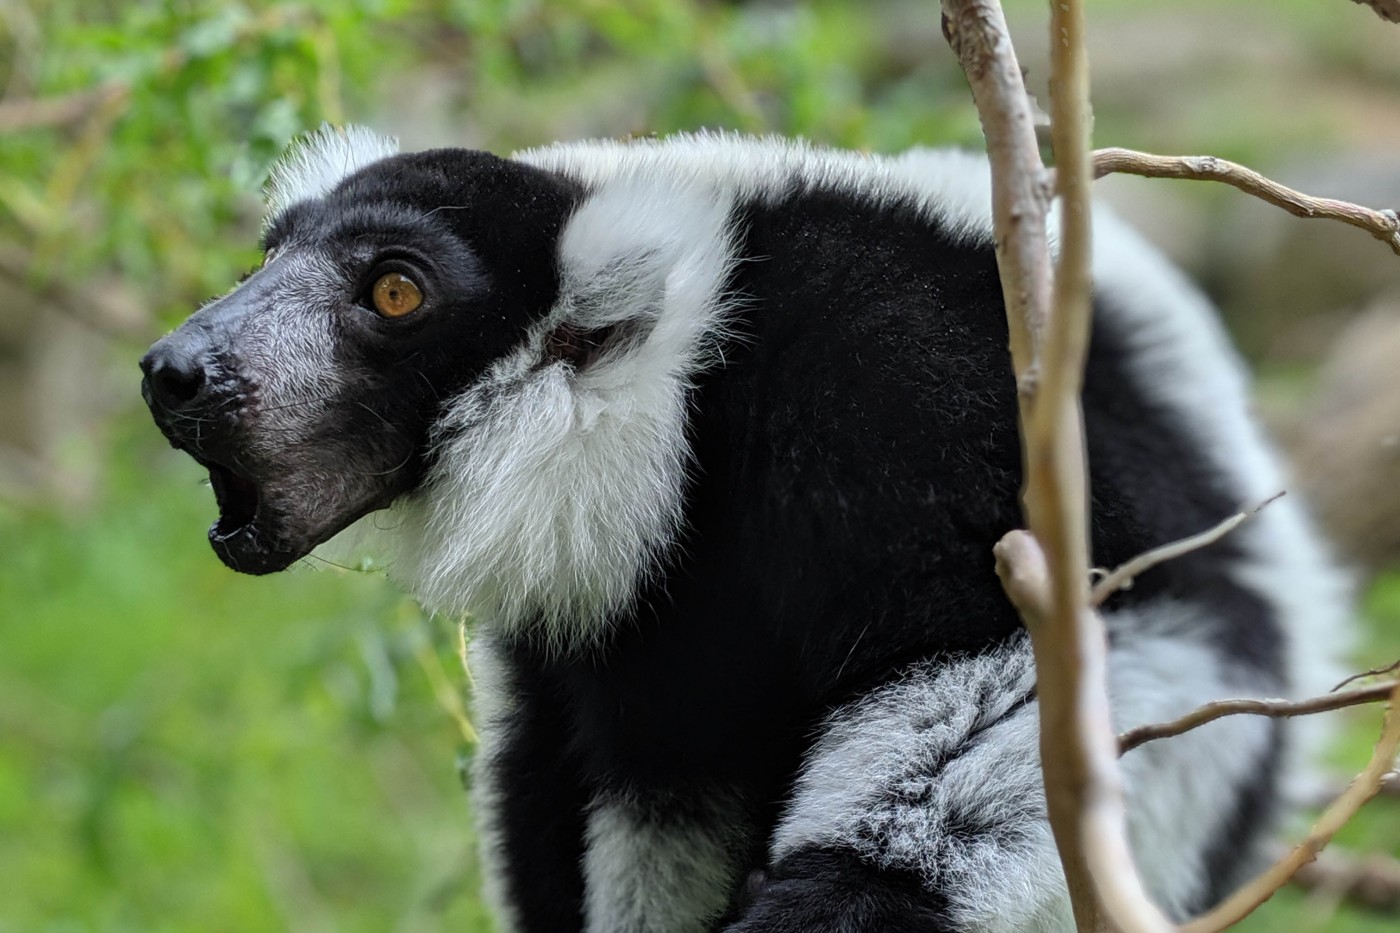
x,y
287,350
287,347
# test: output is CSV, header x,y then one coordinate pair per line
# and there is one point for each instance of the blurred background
x,y
182,748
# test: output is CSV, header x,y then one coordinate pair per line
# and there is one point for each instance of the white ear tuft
x,y
317,162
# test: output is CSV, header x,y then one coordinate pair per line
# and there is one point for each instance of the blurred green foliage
x,y
182,748
190,101
187,749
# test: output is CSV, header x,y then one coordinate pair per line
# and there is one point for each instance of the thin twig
x,y
447,694
1373,672
1278,709
1322,791
1384,225
1123,575
1240,904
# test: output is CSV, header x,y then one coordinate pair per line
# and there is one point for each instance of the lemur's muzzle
x,y
200,406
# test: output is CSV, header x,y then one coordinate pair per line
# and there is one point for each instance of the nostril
x,y
174,381
178,385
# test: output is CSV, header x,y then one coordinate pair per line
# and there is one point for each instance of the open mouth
x,y
260,529
247,536
238,500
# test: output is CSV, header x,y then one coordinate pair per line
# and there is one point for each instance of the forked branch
x,y
1044,571
1083,794
1366,785
1122,576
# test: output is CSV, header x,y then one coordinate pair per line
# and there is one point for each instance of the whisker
x,y
297,403
331,563
387,423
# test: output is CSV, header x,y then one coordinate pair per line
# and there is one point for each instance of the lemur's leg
x,y
529,808
921,805
663,863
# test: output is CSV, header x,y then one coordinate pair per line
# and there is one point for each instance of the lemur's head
x,y
469,339
310,390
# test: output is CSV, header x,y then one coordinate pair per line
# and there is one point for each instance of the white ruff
x,y
557,488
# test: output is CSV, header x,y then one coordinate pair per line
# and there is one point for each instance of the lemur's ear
x,y
643,266
315,163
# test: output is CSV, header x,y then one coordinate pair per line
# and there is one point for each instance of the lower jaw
x,y
243,551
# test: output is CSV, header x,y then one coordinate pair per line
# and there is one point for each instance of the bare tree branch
x,y
977,32
1083,795
1279,709
1371,881
63,110
1242,902
1025,576
1384,225
1388,10
1123,575
976,29
1078,751
1044,571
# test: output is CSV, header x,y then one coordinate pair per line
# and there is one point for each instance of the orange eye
x,y
395,295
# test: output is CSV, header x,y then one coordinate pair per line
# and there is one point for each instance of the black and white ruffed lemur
x,y
712,437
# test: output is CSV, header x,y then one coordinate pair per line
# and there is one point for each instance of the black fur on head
x,y
308,406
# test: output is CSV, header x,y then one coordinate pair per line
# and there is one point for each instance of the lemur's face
x,y
310,391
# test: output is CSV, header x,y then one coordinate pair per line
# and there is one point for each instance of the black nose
x,y
177,375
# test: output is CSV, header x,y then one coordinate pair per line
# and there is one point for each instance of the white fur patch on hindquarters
x,y
1182,793
938,775
648,870
317,162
